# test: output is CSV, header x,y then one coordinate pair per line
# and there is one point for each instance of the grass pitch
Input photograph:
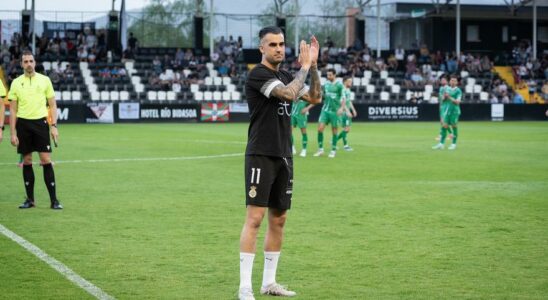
x,y
391,220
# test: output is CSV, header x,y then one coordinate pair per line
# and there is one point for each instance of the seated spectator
x,y
493,99
122,72
92,56
157,65
166,78
82,54
505,98
114,72
154,81
105,72
518,99
544,90
69,73
392,63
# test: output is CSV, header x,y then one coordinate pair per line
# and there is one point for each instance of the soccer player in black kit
x,y
268,158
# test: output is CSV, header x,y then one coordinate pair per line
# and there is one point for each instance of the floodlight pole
x,y
297,28
458,30
33,47
378,28
211,46
534,29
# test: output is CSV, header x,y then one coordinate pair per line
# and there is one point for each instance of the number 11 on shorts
x,y
253,175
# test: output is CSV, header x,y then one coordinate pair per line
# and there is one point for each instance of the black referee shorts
x,y
269,181
33,136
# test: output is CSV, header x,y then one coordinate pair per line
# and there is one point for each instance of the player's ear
x,y
261,48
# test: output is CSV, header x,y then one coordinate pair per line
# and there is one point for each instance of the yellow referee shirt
x,y
2,91
31,94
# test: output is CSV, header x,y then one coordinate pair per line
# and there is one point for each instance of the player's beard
x,y
276,60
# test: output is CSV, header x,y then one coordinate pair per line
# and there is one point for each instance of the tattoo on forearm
x,y
291,91
315,87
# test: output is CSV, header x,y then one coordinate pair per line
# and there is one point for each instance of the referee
x,y
29,96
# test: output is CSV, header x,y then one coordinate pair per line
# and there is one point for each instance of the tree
x,y
165,23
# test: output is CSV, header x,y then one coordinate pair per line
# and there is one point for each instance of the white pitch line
x,y
108,160
56,265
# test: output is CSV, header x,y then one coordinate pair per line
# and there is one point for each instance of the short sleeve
x,y
263,81
459,95
12,95
50,93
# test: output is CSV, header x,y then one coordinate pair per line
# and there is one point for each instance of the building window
x,y
472,33
505,34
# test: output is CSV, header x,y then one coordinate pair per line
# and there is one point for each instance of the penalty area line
x,y
56,265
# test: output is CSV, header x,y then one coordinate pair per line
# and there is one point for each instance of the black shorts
x,y
33,136
269,181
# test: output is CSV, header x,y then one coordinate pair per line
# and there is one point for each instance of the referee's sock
x,y
49,179
28,179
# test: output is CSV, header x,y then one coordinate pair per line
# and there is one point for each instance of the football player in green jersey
x,y
452,96
443,86
299,118
348,114
332,111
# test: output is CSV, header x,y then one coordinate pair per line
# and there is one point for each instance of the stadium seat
x,y
390,81
152,96
217,81
227,80
370,89
323,80
105,96
484,96
199,96
124,95
213,73
66,95
208,96
194,87
139,88
367,74
470,81
129,65
384,74
210,66
464,74
217,96
226,96
76,96
84,65
395,89
186,72
356,81
230,87
47,65
469,89
352,96
428,88
171,96
95,96
365,81
427,96
236,96
408,95
385,96
208,81
135,80
162,95
477,88
114,95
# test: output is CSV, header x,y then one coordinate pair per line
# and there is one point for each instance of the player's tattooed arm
x,y
290,92
315,92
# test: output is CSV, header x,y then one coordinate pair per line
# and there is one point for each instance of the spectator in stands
x,y
518,99
68,73
133,42
166,79
486,64
451,62
493,98
114,72
504,98
424,55
380,66
393,63
122,72
92,56
157,65
417,80
82,54
179,56
154,82
399,54
544,90
105,72
91,39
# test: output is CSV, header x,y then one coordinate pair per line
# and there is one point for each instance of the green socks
x,y
305,140
320,140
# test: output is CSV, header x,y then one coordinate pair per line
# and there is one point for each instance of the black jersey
x,y
270,118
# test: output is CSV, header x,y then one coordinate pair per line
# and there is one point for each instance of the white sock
x,y
270,266
246,267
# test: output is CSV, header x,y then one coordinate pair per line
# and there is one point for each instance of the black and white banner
x,y
99,113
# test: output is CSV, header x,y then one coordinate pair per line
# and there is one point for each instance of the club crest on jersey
x,y
252,191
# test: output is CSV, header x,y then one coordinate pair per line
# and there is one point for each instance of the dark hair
x,y
332,71
26,52
345,78
454,76
269,29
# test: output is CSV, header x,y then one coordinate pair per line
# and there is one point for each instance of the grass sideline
x,y
391,220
